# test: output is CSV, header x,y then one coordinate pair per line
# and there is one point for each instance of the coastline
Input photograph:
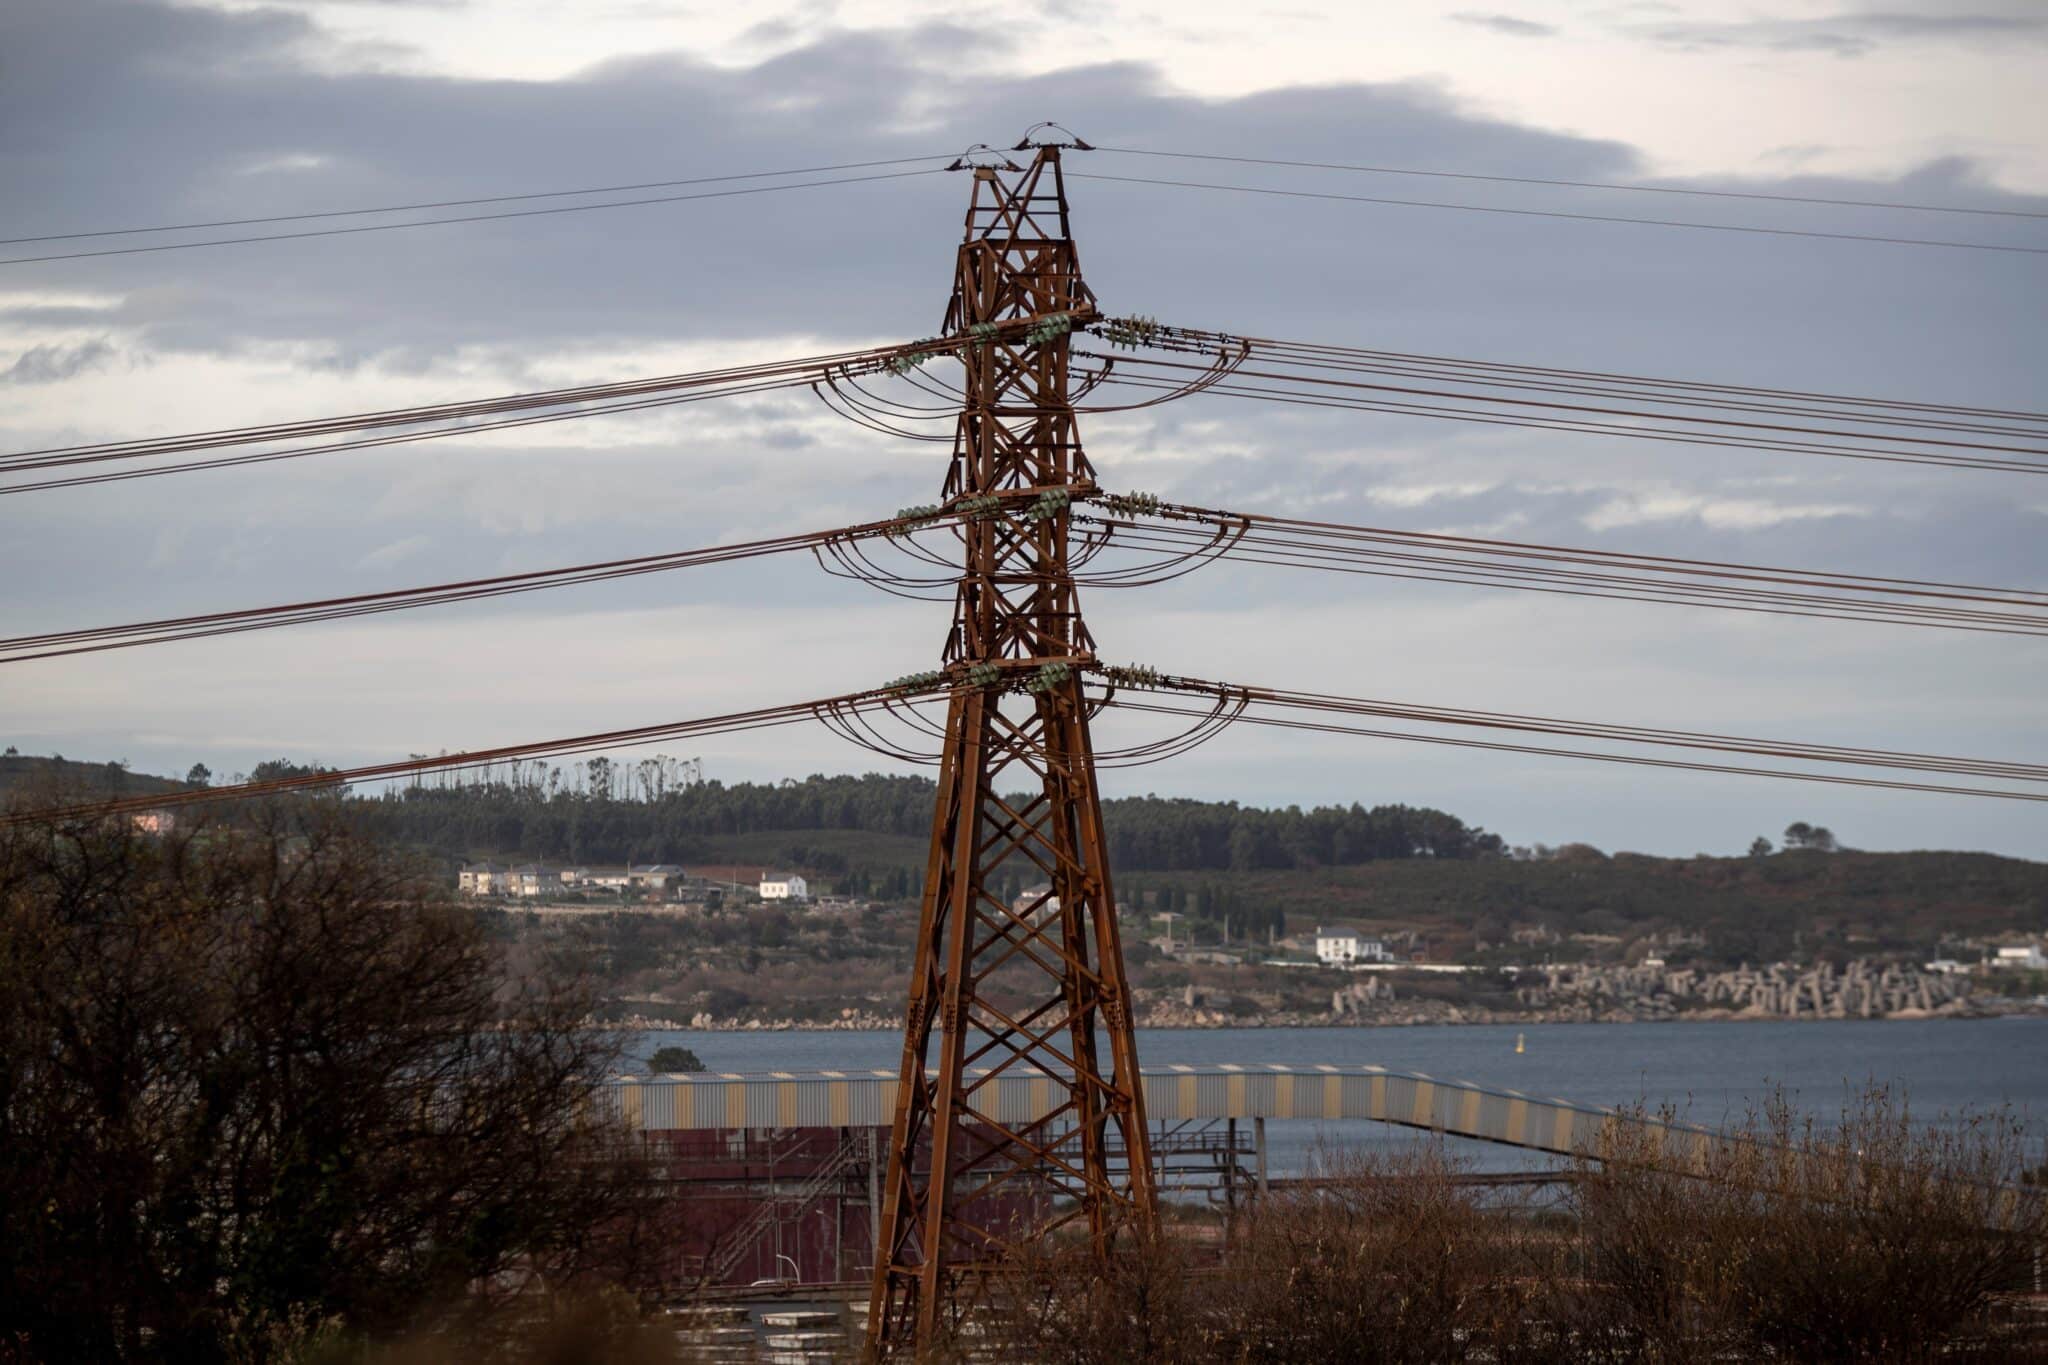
x,y
1196,1018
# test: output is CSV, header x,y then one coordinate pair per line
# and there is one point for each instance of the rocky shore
x,y
1376,1004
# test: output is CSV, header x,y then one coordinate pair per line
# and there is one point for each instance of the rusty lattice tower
x,y
1032,985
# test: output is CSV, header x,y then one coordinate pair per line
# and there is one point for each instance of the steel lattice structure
x,y
1036,987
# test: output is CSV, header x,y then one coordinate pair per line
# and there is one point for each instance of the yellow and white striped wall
x,y
1410,1099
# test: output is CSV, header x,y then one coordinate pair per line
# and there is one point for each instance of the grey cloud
x,y
49,363
1843,35
1507,23
175,101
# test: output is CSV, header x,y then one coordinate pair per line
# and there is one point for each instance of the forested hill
x,y
616,813
1146,833
28,774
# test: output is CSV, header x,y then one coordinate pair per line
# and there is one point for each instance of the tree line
x,y
553,820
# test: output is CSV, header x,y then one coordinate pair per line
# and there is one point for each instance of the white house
x,y
787,886
480,879
1341,947
2024,957
1037,904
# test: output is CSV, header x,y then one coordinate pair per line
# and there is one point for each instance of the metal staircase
x,y
792,1205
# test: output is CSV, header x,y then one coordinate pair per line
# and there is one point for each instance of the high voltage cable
x,y
1582,414
1592,384
422,205
1224,389
633,395
1552,751
1653,737
1479,562
468,218
1676,563
1473,561
99,638
1485,370
433,412
1580,184
726,390
1557,213
893,696
735,722
1630,734
465,203
457,418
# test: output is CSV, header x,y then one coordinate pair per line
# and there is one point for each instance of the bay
x,y
1712,1072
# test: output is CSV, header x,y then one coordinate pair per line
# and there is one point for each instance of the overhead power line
x,y
1551,751
461,418
1549,398
204,625
465,203
468,218
1598,574
762,718
1559,213
1685,191
1192,533
1650,737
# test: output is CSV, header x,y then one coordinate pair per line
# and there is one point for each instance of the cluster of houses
x,y
2010,957
649,881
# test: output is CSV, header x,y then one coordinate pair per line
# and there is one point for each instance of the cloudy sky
x,y
118,113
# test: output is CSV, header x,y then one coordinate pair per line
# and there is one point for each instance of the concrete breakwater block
x,y
805,1341
710,1314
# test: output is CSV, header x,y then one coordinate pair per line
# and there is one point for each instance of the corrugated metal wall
x,y
839,1099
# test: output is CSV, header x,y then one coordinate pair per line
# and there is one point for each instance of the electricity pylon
x,y
1035,988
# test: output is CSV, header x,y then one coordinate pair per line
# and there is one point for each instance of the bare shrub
x,y
1874,1238
1148,1303
1388,1259
1383,1260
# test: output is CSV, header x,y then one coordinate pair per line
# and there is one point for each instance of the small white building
x,y
2024,957
1037,904
1342,947
480,879
784,886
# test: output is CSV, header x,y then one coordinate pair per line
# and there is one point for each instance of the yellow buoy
x,y
1518,1043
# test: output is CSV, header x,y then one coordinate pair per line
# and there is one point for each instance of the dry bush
x,y
1388,1260
1149,1303
1874,1238
1870,1239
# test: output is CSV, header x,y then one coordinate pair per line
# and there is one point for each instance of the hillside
x,y
25,773
1457,892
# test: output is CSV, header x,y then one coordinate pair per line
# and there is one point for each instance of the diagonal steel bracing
x,y
1040,980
